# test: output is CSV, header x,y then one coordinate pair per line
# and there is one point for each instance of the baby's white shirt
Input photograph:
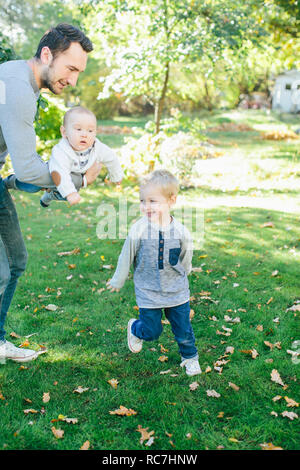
x,y
65,161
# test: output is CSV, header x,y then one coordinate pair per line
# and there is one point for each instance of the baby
x,y
77,151
160,248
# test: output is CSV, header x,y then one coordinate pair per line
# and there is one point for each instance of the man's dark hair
x,y
59,39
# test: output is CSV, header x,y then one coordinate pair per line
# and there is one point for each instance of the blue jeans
x,y
27,187
13,254
32,188
149,327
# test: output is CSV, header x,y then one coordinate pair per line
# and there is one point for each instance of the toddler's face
x,y
80,131
155,205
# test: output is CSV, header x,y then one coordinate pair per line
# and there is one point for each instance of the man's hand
x,y
111,288
92,172
73,198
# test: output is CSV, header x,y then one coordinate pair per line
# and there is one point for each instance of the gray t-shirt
x,y
161,257
18,105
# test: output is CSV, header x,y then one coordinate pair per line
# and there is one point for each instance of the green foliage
x,y
49,118
6,50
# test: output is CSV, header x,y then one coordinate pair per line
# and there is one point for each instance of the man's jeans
x,y
148,327
13,254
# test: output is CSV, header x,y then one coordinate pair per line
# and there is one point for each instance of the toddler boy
x,y
160,248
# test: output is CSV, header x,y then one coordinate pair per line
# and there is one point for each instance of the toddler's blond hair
x,y
167,182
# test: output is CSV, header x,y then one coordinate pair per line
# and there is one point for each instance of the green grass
x,y
86,336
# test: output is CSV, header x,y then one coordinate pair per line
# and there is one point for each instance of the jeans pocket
x,y
174,256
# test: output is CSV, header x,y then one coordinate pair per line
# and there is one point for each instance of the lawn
x,y
244,294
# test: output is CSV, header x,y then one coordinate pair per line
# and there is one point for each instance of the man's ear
x,y
46,56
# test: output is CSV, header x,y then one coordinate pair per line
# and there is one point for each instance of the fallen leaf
x,y
163,358
30,410
51,307
268,225
14,335
123,411
113,383
80,390
85,445
162,349
212,393
235,387
162,372
193,386
68,253
269,446
272,346
145,435
289,414
275,377
46,397
58,433
229,350
291,402
252,352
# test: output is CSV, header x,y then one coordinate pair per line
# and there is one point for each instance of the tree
x,y
146,39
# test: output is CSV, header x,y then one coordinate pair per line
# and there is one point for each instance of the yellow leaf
x,y
163,358
29,410
269,446
291,402
113,383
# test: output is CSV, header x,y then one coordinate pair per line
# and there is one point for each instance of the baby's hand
x,y
73,198
111,288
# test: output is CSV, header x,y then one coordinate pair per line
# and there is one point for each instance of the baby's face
x,y
154,204
80,131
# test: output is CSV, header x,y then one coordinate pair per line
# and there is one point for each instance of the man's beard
x,y
47,82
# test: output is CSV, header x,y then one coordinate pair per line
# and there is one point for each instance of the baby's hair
x,y
77,109
167,182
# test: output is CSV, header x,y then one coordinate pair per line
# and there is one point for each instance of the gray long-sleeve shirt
x,y
18,104
161,257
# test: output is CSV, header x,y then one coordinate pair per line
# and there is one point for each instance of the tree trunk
x,y
161,102
159,107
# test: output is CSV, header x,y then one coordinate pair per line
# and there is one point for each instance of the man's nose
x,y
72,79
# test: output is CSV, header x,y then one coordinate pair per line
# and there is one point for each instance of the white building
x,y
286,94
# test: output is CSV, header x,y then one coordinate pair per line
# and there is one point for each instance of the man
x,y
61,55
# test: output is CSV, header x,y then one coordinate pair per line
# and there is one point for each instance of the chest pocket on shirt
x,y
174,256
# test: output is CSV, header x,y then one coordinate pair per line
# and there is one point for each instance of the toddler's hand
x,y
73,198
111,288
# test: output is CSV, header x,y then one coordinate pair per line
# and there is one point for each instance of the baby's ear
x,y
173,199
63,131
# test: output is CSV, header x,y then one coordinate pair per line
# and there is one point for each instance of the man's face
x,y
64,69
